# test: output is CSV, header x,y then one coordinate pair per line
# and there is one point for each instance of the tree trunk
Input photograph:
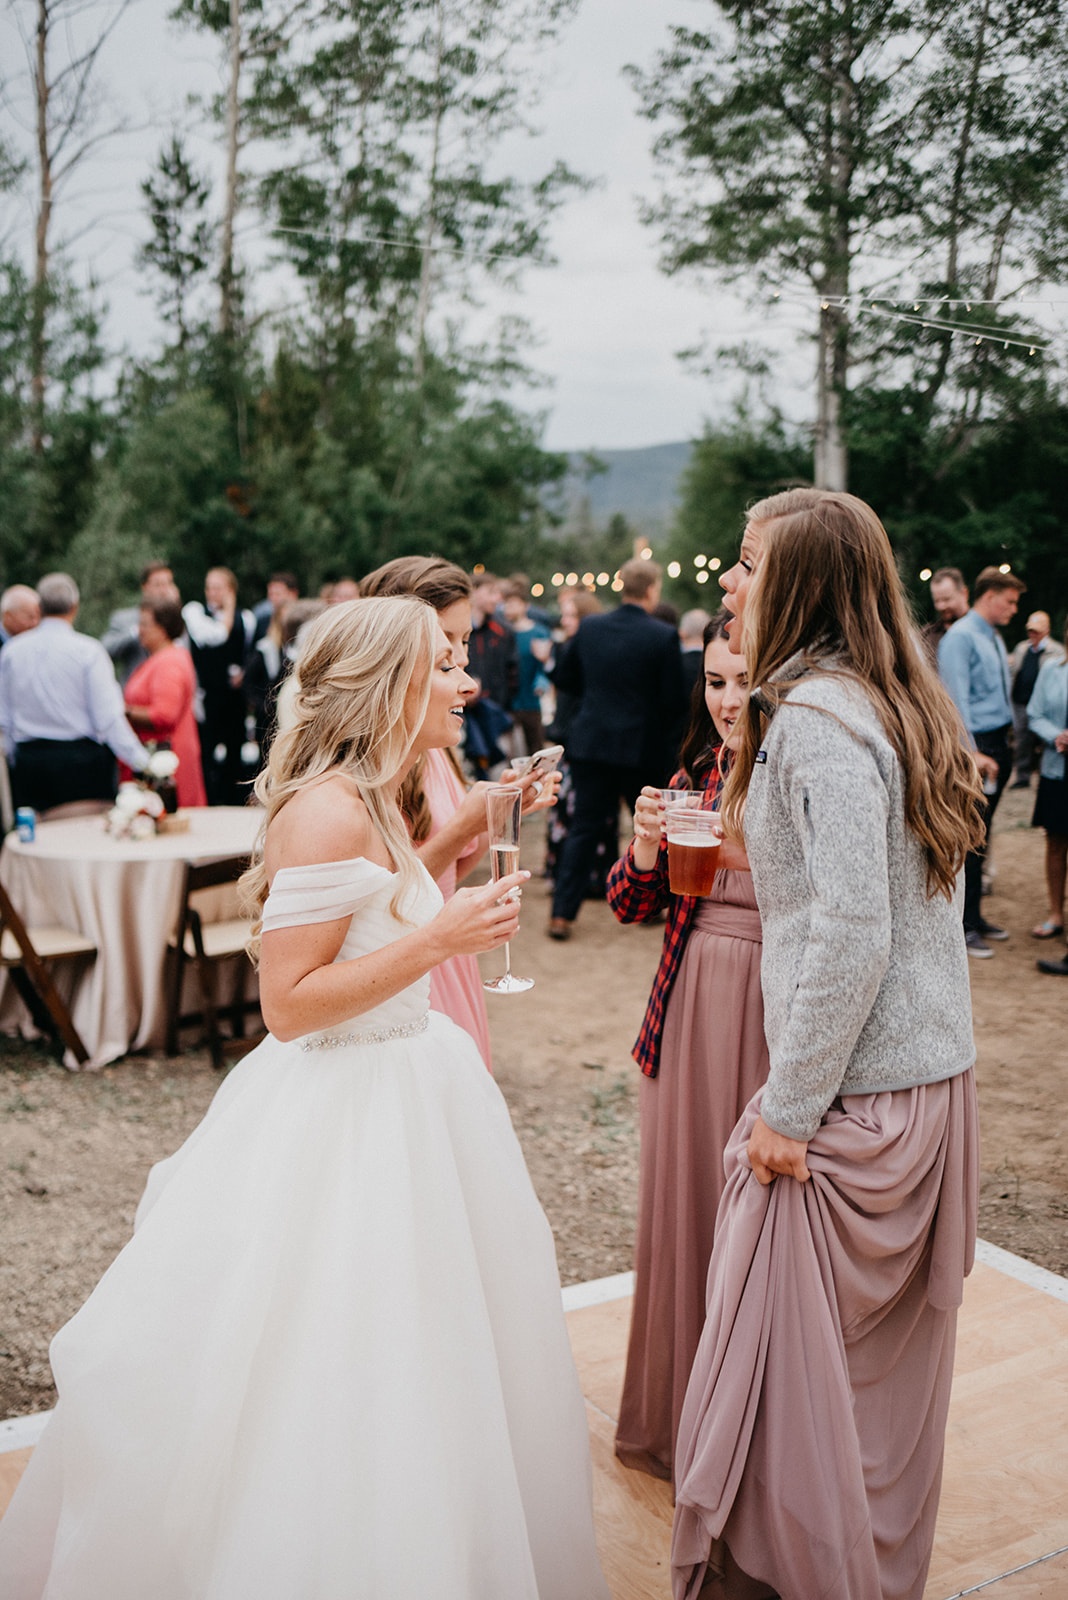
x,y
39,307
832,372
227,317
831,458
430,223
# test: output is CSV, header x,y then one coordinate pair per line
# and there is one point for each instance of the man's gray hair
x,y
692,624
19,595
58,594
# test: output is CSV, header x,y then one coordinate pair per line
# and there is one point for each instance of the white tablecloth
x,y
125,896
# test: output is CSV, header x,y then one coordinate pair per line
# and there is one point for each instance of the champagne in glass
x,y
503,804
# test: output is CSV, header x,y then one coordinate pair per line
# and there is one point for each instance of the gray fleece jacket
x,y
865,978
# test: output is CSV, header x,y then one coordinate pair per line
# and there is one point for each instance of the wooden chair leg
x,y
237,1015
174,1010
48,1009
208,994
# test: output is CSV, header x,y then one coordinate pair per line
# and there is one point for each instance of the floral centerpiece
x,y
142,805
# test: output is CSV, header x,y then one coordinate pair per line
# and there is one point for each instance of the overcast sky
x,y
609,323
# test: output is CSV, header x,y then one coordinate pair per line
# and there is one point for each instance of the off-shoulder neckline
x,y
332,866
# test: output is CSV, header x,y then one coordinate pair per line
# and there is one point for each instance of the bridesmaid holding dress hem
x,y
810,1445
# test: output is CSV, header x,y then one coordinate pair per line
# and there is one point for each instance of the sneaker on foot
x,y
1058,969
989,931
976,946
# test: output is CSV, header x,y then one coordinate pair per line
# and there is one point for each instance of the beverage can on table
x,y
26,824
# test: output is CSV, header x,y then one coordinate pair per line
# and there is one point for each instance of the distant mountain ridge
x,y
642,484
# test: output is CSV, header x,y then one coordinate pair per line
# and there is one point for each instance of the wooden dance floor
x,y
1003,1523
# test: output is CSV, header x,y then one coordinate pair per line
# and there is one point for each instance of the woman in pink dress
x,y
447,820
159,696
703,1056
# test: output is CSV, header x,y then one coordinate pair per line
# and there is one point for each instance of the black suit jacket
x,y
625,667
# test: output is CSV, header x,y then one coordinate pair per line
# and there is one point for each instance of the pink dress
x,y
455,986
166,685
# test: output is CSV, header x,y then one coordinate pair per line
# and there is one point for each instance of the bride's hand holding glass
x,y
476,920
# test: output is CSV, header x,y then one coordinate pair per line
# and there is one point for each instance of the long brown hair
x,y
701,744
438,583
826,587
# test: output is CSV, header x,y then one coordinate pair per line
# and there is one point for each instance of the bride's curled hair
x,y
363,687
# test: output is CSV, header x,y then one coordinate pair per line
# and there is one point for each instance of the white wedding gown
x,y
332,1363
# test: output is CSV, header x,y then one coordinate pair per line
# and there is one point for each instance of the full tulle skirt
x,y
330,1365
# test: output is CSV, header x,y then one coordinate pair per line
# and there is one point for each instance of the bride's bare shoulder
x,y
327,821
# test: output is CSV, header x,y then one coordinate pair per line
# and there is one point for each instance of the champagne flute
x,y
503,804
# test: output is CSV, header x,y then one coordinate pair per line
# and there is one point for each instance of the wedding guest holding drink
x,y
446,819
332,1362
810,1444
702,1054
160,693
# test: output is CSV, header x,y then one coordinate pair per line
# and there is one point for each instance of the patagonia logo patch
x,y
760,759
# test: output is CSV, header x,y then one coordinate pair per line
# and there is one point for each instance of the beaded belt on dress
x,y
401,1030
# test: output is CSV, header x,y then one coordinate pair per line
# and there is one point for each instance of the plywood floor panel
x,y
1005,1492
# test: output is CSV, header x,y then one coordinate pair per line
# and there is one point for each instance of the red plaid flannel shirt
x,y
636,897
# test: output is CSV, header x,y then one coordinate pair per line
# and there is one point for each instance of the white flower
x,y
151,804
128,801
142,827
162,764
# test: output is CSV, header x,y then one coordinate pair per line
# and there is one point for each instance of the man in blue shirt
x,y
974,667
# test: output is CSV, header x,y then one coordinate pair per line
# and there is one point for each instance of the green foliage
x,y
729,469
806,146
179,248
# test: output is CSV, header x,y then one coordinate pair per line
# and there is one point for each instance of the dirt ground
x,y
75,1148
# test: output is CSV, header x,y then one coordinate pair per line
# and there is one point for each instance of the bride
x,y
332,1363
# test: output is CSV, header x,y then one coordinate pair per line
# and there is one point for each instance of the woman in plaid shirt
x,y
702,1053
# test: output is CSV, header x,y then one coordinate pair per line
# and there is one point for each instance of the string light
x,y
700,561
537,589
673,569
715,564
977,332
925,574
602,579
572,579
646,554
587,578
558,579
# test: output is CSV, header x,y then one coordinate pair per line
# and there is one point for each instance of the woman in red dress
x,y
159,696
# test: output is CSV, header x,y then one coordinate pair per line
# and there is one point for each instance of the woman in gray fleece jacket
x,y
810,1445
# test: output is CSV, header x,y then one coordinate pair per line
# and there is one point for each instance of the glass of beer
x,y
694,838
503,805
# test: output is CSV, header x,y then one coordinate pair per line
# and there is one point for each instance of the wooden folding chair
x,y
25,953
206,944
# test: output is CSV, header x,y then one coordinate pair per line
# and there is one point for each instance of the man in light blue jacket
x,y
974,666
1047,714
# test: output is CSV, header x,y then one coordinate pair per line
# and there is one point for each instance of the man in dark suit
x,y
625,667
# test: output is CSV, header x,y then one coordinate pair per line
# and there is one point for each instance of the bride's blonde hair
x,y
351,715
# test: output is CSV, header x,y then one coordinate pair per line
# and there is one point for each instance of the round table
x,y
125,895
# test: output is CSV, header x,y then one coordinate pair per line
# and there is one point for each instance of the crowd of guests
x,y
213,681
203,679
